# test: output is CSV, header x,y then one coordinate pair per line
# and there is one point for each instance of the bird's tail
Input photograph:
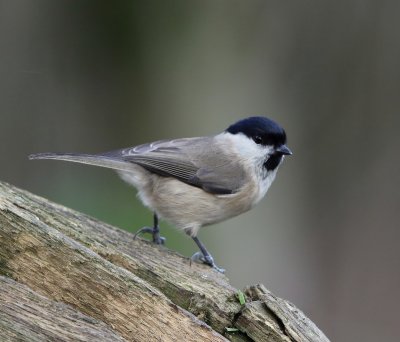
x,y
90,159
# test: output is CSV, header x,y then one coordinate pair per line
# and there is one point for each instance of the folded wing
x,y
195,161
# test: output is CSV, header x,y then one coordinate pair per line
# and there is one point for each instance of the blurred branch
x,y
116,288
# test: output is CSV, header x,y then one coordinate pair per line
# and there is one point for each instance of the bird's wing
x,y
194,161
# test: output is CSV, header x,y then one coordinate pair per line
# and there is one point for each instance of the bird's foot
x,y
155,232
206,259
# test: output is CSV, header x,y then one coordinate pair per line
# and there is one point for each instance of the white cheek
x,y
253,156
246,147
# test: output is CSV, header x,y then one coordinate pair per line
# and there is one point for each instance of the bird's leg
x,y
204,255
155,231
157,239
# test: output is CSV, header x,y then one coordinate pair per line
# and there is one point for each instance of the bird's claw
x,y
142,231
157,239
206,259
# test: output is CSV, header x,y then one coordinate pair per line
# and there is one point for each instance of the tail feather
x,y
90,159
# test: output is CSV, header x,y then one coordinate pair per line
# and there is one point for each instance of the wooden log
x,y
27,316
139,291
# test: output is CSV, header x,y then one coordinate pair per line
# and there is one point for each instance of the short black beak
x,y
283,149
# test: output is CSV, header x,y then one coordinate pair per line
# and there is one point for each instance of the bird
x,y
197,181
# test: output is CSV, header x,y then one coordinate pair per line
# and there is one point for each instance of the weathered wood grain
x,y
26,315
139,290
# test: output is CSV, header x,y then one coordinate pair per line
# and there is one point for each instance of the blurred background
x,y
92,76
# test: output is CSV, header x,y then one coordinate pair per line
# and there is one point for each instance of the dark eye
x,y
257,139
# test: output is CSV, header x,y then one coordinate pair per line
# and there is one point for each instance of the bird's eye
x,y
257,139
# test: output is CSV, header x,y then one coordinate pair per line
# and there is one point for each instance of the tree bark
x,y
66,276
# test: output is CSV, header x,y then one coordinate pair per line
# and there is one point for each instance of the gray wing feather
x,y
195,161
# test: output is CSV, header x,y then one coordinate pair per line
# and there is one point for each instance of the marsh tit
x,y
195,182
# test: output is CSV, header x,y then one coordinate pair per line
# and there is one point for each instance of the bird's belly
x,y
188,207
